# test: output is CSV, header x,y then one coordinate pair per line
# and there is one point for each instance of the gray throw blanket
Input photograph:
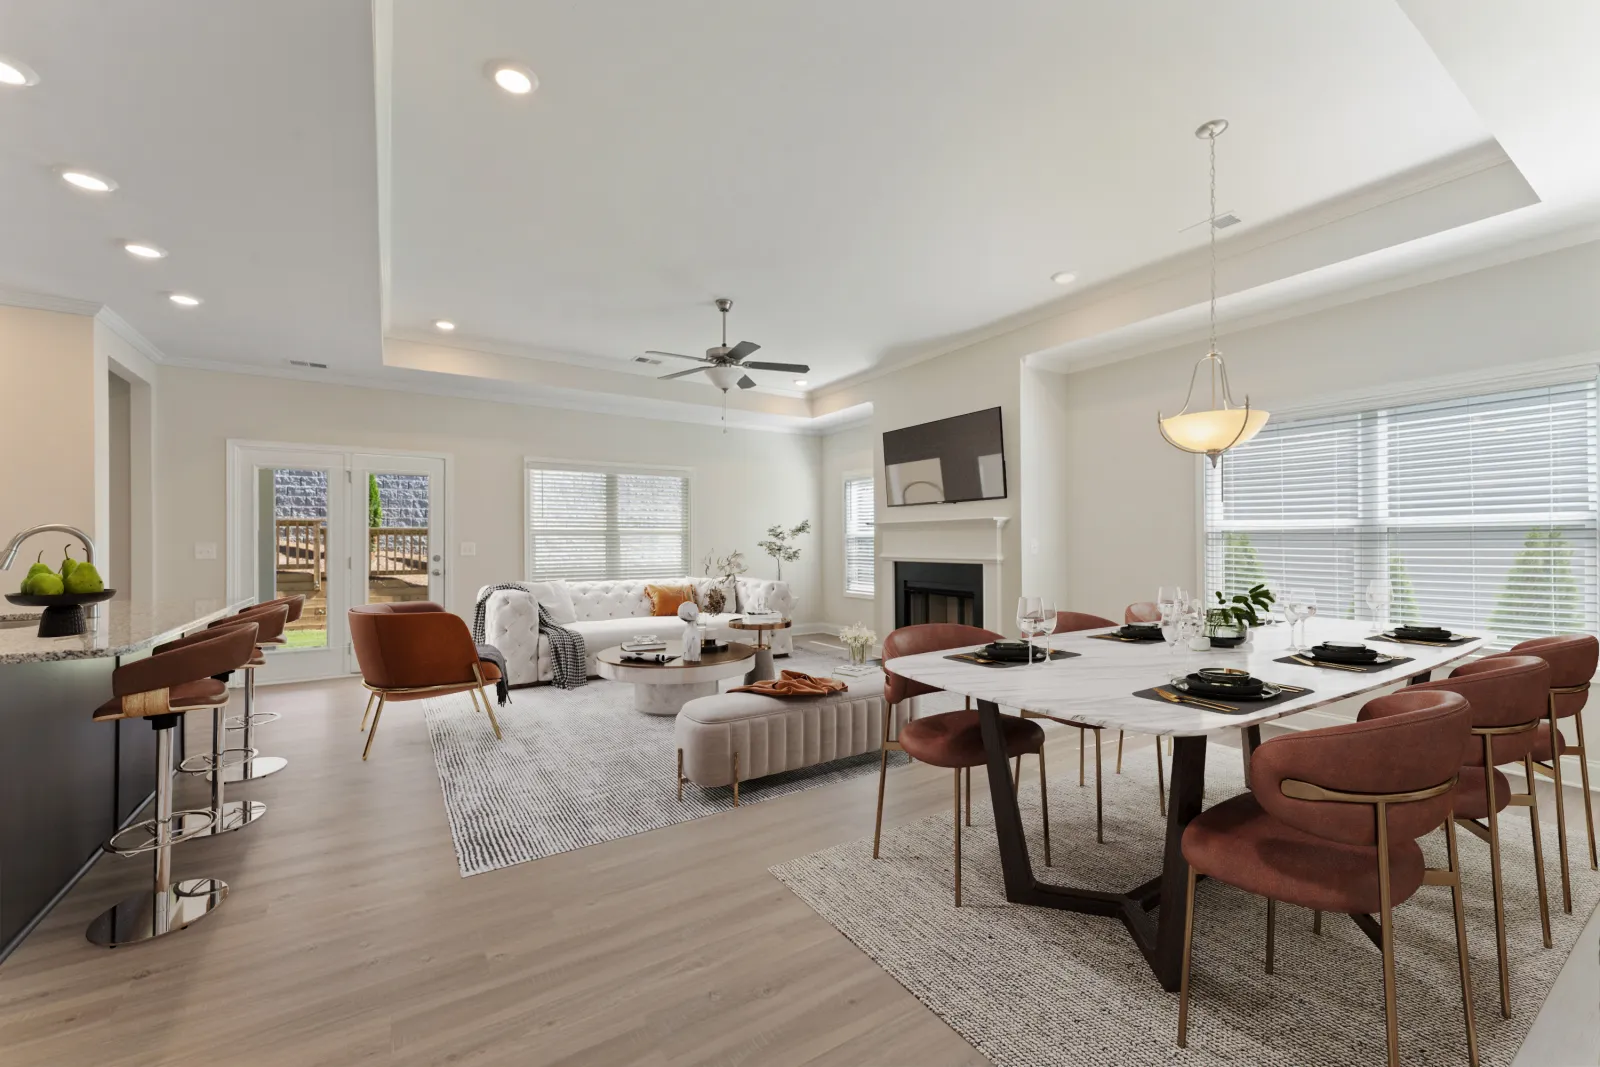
x,y
569,659
502,688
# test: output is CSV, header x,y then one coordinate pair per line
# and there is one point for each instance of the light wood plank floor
x,y
350,938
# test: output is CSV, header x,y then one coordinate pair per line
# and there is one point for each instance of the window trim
x,y
844,525
530,463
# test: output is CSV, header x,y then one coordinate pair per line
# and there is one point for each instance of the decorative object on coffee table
x,y
691,631
778,546
763,625
663,688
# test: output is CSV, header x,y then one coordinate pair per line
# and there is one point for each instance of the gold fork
x,y
1329,666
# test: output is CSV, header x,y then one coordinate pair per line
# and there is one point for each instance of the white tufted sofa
x,y
610,612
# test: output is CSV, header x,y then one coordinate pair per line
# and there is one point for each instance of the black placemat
x,y
1463,639
1330,665
1244,707
1128,640
972,657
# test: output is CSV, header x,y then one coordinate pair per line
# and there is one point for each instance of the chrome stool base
x,y
182,826
205,762
251,769
259,718
236,815
149,915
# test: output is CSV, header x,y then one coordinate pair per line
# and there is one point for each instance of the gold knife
x,y
1196,701
1329,666
1414,641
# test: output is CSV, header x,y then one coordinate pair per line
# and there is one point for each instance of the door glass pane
x,y
294,549
397,537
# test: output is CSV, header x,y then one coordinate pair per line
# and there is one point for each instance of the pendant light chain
x,y
1211,225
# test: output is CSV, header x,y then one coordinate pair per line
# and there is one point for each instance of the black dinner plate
x,y
1357,656
1423,633
1140,632
1267,691
1245,687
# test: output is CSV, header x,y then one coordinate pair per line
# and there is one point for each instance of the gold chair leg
x,y
1044,806
365,715
372,734
1561,807
1458,903
1081,732
1588,797
1538,847
736,778
1391,1014
1272,925
1099,790
1503,952
489,707
680,774
969,796
472,695
958,838
1188,948
1161,781
1119,751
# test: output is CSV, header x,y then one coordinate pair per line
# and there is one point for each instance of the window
x,y
1480,513
587,523
860,563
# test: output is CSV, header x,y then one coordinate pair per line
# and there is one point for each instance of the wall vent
x,y
648,361
307,363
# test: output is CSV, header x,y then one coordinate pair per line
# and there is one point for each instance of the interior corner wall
x,y
847,452
1129,518
127,451
1046,480
743,481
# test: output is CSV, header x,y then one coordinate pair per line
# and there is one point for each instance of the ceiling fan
x,y
725,365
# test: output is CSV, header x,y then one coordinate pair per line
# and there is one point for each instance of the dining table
x,y
1096,686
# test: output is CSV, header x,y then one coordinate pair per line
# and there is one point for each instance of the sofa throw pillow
x,y
556,599
665,600
705,587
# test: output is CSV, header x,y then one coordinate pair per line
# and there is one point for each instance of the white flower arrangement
x,y
859,640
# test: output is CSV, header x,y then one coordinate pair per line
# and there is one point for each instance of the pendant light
x,y
1224,424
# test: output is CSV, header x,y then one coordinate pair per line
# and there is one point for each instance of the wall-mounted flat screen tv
x,y
945,462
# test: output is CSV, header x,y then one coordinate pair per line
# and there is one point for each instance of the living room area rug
x,y
1031,986
581,766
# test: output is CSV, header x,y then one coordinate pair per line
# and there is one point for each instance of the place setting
x,y
1436,636
1036,617
1226,690
1353,656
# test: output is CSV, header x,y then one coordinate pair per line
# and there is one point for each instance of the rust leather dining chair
x,y
950,739
1331,822
1572,659
415,650
1509,696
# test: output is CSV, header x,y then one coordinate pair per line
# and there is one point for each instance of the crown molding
x,y
22,298
139,342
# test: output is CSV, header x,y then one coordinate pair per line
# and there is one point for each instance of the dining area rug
x,y
1030,987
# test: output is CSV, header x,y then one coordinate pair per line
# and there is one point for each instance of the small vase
x,y
858,655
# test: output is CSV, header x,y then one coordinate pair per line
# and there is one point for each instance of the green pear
x,y
68,565
39,566
45,584
84,579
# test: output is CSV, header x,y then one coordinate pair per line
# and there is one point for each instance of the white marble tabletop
x,y
122,627
1097,686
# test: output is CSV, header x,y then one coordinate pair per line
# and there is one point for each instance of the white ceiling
x,y
868,181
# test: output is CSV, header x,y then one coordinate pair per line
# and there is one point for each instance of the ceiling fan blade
x,y
795,368
742,349
675,355
681,373
746,382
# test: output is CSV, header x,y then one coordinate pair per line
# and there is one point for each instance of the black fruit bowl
x,y
63,612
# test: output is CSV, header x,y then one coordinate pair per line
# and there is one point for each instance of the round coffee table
x,y
763,668
664,688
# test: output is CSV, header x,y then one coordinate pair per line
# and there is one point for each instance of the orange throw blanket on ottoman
x,y
794,684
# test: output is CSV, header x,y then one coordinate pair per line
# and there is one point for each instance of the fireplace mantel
x,y
945,539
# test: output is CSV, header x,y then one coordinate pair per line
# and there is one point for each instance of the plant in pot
x,y
1231,621
778,544
725,569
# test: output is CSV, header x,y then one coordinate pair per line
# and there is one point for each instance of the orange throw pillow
x,y
665,600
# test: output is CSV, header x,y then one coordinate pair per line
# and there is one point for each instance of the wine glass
x,y
1030,609
1047,623
1308,605
1378,596
1171,625
1297,607
1167,598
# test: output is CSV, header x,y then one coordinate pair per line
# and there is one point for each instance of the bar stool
x,y
1509,696
162,689
232,814
257,766
1572,659
950,739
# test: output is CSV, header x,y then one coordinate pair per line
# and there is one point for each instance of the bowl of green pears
x,y
62,593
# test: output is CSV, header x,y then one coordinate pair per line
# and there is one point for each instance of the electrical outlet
x,y
469,548
205,550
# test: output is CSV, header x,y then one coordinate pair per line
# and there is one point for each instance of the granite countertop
x,y
122,627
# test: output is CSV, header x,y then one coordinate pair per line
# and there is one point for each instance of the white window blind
x,y
1482,513
594,523
860,563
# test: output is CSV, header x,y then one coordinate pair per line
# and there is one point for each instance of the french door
x,y
339,527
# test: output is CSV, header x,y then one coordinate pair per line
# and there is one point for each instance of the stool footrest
x,y
186,825
206,762
259,718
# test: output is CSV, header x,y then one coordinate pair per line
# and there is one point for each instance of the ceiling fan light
x,y
724,377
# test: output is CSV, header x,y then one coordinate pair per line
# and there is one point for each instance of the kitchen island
x,y
68,783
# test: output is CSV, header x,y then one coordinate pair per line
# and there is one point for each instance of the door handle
x,y
437,572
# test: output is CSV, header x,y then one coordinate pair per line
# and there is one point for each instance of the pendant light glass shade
x,y
1225,424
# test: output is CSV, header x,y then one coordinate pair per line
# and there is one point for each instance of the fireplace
x,y
938,592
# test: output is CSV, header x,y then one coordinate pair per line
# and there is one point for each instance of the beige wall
x,y
53,422
743,482
119,561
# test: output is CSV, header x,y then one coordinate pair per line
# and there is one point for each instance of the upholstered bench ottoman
x,y
733,737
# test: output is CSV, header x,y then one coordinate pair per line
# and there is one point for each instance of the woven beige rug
x,y
1030,986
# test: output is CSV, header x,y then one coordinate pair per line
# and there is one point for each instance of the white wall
x,y
744,481
847,452
119,560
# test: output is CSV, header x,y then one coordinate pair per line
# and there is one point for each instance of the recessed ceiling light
x,y
144,250
514,78
1064,277
184,300
14,73
801,382
443,325
86,180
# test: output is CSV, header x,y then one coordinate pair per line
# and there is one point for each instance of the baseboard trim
x,y
830,628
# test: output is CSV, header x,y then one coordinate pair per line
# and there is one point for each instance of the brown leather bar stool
x,y
232,814
950,739
162,689
1331,822
1509,696
257,766
1572,659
